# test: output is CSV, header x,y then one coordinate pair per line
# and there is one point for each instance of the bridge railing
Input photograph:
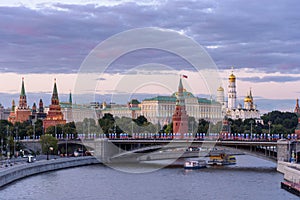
x,y
170,136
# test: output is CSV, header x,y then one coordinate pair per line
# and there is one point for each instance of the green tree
x,y
169,128
203,126
107,123
141,120
48,141
54,130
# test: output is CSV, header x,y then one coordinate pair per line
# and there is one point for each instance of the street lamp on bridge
x,y
269,123
251,122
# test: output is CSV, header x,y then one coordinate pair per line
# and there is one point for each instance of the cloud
x,y
280,79
57,37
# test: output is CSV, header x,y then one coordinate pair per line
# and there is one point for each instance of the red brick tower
x,y
54,116
297,111
21,112
180,118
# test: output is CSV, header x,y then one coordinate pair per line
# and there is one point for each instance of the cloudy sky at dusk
x,y
42,40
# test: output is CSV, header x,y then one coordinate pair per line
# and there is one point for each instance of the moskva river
x,y
260,181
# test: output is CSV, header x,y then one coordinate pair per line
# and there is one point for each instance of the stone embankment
x,y
17,172
291,171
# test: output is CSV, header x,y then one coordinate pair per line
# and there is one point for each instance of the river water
x,y
95,182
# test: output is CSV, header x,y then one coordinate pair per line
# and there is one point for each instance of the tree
x,y
203,126
141,120
107,123
54,130
69,128
169,128
48,141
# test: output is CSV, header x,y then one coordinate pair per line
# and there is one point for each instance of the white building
x,y
231,109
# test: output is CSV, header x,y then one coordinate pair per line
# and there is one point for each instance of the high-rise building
x,y
54,115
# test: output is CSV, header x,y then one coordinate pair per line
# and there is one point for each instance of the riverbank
x,y
291,173
17,172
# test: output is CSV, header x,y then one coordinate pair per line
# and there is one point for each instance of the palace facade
x,y
160,109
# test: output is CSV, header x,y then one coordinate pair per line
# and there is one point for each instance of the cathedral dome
x,y
220,89
247,99
232,78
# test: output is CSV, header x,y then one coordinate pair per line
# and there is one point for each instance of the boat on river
x,y
221,158
195,164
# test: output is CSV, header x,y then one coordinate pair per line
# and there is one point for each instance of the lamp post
x,y
66,144
251,122
7,145
55,131
269,123
15,138
1,150
50,149
132,128
33,132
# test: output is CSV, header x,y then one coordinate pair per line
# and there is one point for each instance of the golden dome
x,y
247,99
220,89
232,78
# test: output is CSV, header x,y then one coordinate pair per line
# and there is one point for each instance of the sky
x,y
42,40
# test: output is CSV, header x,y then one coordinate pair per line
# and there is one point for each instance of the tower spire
x,y
297,108
180,86
54,99
55,93
23,88
70,98
22,99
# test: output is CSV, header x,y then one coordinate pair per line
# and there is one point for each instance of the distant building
x,y
54,115
160,109
22,112
66,108
37,114
233,110
131,109
4,113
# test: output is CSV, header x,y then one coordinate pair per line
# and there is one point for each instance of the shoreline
x,y
17,172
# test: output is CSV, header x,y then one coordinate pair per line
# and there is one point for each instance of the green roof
x,y
185,94
134,101
207,101
162,98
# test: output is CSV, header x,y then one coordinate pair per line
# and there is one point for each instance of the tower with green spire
x,y
54,116
20,113
22,99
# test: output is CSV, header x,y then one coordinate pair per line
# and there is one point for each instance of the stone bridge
x,y
107,149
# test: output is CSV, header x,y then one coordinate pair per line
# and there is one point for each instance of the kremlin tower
x,y
297,112
180,118
54,116
21,113
232,92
